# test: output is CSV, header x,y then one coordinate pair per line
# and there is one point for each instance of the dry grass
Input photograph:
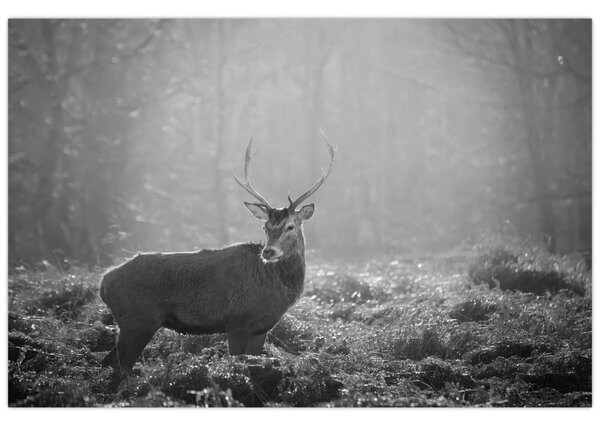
x,y
508,326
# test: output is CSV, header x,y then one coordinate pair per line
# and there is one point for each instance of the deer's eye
x,y
289,228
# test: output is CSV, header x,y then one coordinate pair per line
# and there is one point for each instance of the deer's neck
x,y
292,270
289,273
295,268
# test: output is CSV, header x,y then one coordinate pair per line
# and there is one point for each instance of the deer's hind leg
x,y
129,347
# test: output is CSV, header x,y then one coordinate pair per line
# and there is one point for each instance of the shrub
x,y
534,271
65,301
214,396
65,396
292,335
180,374
99,337
428,343
436,373
231,375
153,398
499,367
565,371
306,382
23,349
461,341
472,310
342,288
17,323
506,349
344,312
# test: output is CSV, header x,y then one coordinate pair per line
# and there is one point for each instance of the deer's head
x,y
283,226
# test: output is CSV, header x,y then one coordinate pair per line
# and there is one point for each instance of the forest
x,y
449,256
123,133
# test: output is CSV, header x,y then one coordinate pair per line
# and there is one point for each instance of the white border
x,y
273,8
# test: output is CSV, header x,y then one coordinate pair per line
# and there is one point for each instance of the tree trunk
x,y
317,50
524,55
47,211
218,192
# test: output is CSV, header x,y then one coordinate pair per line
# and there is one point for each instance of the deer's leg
x,y
255,344
129,348
237,343
110,360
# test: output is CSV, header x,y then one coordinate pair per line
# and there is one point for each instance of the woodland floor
x,y
502,325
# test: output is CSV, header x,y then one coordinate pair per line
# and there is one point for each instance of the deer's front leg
x,y
255,344
237,343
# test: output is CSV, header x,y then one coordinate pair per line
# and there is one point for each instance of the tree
x,y
533,52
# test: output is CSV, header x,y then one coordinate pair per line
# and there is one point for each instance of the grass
x,y
506,325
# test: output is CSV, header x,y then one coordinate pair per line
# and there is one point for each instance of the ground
x,y
502,324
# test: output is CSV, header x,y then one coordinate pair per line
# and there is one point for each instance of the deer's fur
x,y
210,291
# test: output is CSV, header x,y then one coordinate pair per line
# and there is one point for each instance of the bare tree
x,y
520,47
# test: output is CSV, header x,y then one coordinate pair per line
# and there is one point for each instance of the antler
x,y
247,185
324,175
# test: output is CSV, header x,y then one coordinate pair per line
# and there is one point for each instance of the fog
x,y
123,134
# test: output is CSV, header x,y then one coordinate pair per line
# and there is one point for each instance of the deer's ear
x,y
306,211
259,212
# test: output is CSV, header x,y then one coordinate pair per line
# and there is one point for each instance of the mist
x,y
123,134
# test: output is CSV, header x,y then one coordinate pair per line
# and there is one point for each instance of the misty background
x,y
123,133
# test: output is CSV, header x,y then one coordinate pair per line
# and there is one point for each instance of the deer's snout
x,y
271,254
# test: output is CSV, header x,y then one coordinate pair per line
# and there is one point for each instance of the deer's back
x,y
226,288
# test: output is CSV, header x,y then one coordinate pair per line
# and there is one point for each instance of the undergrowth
x,y
528,268
506,325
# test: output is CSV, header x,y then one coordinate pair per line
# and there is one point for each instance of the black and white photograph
x,y
297,211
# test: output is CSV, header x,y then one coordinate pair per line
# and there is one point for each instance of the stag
x,y
242,289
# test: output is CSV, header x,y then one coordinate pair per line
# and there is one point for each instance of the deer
x,y
242,290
